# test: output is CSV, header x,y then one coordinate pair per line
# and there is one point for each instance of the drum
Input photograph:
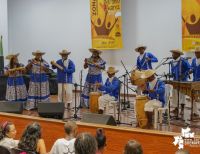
x,y
137,80
140,114
94,96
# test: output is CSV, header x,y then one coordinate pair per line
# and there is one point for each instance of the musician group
x,y
152,88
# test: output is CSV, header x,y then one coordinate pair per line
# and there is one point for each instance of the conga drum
x,y
136,79
140,114
94,96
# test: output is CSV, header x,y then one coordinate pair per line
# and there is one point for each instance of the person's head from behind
x,y
182,151
30,137
70,128
7,130
133,147
101,138
85,144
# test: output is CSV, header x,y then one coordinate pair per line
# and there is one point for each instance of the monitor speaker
x,y
99,119
11,107
51,110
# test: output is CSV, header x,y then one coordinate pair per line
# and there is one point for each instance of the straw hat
x,y
111,70
147,74
64,52
140,46
177,51
10,56
92,50
197,49
38,52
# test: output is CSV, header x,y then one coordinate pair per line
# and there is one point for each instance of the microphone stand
x,y
81,80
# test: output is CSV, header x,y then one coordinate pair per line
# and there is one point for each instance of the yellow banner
x,y
190,24
106,24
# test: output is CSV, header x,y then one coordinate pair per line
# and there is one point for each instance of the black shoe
x,y
100,111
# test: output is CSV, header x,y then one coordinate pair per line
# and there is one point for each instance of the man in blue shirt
x,y
180,71
110,89
196,74
65,69
145,59
155,89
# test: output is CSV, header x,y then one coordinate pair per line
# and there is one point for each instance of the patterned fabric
x,y
94,76
16,89
66,75
180,71
38,85
196,70
142,64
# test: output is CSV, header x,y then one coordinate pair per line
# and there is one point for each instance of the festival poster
x,y
190,24
106,27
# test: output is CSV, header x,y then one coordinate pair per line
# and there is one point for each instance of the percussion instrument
x,y
137,80
57,65
94,96
189,88
140,113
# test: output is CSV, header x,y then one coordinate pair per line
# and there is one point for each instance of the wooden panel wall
x,y
153,142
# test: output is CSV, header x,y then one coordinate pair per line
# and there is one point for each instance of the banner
x,y
190,24
106,24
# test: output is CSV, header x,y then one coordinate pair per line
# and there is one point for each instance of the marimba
x,y
192,89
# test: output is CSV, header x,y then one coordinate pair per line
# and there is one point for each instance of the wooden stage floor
x,y
127,117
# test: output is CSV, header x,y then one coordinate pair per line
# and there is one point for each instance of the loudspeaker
x,y
11,107
51,110
98,119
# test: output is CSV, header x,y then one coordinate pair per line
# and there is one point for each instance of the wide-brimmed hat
x,y
177,51
38,52
95,50
148,73
10,56
64,52
140,46
197,49
111,70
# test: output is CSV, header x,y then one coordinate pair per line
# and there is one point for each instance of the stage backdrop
x,y
190,24
106,24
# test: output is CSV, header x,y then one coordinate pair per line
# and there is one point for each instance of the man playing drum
x,y
111,89
155,89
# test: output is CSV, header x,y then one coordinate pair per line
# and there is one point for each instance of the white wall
x,y
52,25
4,24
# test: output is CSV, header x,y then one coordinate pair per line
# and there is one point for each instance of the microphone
x,y
168,58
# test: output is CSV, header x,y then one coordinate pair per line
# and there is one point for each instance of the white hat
x,y
38,52
177,51
140,46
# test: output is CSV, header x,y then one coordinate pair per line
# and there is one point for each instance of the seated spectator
x,y
133,147
182,151
66,145
31,139
101,140
85,144
7,135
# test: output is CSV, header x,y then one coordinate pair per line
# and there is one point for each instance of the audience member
x,y
31,139
133,147
66,145
182,151
7,135
101,140
85,144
